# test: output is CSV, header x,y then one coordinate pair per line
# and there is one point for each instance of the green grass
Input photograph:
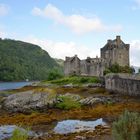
x,y
74,80
19,134
68,103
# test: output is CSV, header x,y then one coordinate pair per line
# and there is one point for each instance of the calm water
x,y
62,127
13,85
72,126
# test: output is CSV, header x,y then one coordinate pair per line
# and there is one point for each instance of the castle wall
x,y
122,56
83,68
67,68
72,66
123,83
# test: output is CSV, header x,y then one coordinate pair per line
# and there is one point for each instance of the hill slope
x,y
60,62
20,60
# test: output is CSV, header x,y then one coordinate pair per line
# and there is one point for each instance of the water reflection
x,y
72,126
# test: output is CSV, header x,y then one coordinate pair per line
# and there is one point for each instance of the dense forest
x,y
20,61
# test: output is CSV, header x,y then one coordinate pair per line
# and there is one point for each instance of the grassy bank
x,y
75,80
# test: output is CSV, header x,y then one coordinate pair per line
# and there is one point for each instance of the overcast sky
x,y
69,27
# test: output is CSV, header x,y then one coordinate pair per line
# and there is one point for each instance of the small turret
x,y
118,39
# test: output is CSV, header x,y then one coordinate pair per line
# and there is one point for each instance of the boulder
x,y
25,101
90,101
93,85
75,97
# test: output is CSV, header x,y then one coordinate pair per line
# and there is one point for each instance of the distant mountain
x,y
60,61
20,60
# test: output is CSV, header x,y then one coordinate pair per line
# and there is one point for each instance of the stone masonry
x,y
115,51
125,84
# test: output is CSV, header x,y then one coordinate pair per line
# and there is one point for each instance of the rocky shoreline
x,y
37,107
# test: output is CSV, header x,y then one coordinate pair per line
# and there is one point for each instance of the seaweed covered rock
x,y
39,100
27,101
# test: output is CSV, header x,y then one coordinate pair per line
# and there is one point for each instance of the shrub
x,y
83,80
19,134
67,103
127,127
116,68
106,71
54,74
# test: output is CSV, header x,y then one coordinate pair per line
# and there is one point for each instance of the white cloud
x,y
135,52
62,49
77,23
4,9
3,32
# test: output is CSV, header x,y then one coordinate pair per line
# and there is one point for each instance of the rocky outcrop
x,y
21,102
29,101
90,101
74,97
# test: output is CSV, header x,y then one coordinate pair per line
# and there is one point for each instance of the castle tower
x,y
116,51
72,66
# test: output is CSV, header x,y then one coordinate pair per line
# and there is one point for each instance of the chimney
x,y
118,39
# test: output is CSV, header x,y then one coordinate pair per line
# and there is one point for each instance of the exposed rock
x,y
7,131
94,85
90,101
75,97
80,138
25,101
42,100
68,85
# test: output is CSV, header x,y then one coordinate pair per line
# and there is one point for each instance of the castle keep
x,y
114,51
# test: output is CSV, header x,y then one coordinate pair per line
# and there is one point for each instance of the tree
x,y
54,74
20,60
116,68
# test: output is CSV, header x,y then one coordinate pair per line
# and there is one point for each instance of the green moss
x,y
67,103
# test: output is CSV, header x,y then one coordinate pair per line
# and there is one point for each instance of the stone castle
x,y
114,51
